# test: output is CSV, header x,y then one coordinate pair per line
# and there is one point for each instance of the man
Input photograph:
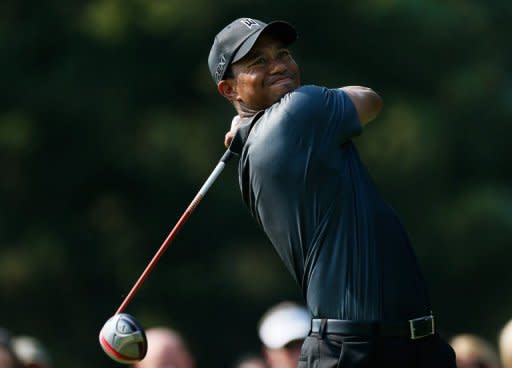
x,y
250,361
166,349
302,179
31,352
473,351
505,345
8,358
282,330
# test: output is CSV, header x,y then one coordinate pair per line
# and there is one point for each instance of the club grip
x,y
226,156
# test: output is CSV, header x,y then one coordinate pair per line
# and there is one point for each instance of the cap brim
x,y
281,30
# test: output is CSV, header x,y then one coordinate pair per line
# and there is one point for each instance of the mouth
x,y
281,80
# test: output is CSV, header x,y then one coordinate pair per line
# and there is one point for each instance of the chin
x,y
285,88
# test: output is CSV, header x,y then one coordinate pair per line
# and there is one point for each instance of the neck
x,y
244,111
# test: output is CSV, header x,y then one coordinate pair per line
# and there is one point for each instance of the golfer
x,y
304,183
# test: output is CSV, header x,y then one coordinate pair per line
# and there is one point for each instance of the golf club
x,y
184,217
122,337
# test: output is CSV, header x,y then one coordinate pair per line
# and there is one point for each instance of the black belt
x,y
413,329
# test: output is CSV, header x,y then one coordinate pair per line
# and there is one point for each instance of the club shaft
x,y
184,217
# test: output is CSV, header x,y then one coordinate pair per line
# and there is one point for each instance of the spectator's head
x,y
505,345
7,357
31,352
166,349
474,352
251,361
282,330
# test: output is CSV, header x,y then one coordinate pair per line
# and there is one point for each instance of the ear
x,y
227,88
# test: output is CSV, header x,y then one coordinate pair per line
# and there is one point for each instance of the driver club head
x,y
123,339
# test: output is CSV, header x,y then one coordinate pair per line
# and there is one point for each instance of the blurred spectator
x,y
251,361
7,357
166,349
31,352
505,345
474,352
282,330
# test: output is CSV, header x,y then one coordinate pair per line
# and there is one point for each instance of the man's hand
x,y
228,138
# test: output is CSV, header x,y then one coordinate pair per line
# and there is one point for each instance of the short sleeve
x,y
327,115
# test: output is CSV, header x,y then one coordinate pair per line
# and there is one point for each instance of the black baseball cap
x,y
237,38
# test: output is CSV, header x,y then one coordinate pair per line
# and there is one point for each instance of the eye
x,y
259,61
282,54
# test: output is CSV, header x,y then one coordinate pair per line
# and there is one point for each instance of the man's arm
x,y
367,102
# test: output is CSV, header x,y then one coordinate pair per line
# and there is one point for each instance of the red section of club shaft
x,y
199,196
160,251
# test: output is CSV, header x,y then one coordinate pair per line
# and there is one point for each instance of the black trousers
x,y
336,351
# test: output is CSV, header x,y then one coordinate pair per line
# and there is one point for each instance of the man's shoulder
x,y
310,90
303,100
310,94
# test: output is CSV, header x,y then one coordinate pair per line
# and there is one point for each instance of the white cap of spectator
x,y
284,323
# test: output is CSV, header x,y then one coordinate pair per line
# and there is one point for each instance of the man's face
x,y
6,358
286,357
265,74
165,350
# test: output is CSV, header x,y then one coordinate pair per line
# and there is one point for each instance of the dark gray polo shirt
x,y
304,183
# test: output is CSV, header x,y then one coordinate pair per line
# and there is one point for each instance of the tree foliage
x,y
110,121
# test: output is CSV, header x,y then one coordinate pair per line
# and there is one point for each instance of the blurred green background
x,y
110,123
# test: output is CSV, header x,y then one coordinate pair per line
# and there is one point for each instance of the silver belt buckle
x,y
421,327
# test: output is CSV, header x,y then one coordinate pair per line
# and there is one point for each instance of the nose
x,y
277,66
